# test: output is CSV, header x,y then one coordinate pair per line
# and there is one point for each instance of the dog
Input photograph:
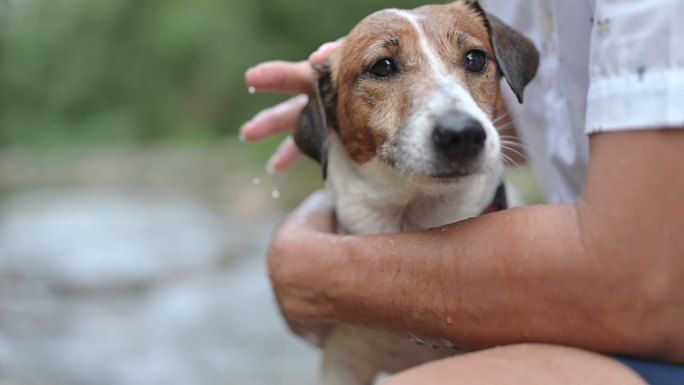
x,y
401,120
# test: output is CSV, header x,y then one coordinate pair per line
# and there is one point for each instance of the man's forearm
x,y
519,275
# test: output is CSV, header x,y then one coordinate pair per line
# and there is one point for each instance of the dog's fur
x,y
375,137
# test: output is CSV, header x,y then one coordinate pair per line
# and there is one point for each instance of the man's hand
x,y
314,219
289,78
294,277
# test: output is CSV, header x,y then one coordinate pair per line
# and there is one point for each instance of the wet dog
x,y
402,121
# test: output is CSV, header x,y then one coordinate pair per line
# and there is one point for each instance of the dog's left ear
x,y
516,55
311,132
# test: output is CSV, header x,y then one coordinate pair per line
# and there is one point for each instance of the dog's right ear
x,y
311,132
516,55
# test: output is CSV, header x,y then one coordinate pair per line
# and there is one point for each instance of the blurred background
x,y
133,223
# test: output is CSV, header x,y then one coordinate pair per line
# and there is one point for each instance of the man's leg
x,y
528,364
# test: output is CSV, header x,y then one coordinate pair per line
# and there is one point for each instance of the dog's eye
x,y
475,60
383,68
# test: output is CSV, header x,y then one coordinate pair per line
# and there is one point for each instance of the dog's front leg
x,y
355,356
348,357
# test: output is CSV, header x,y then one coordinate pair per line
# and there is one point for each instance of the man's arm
x,y
605,274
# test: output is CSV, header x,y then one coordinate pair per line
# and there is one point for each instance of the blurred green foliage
x,y
135,71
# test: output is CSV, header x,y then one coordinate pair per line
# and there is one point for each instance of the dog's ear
x,y
516,55
311,132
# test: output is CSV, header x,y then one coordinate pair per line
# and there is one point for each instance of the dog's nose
x,y
459,136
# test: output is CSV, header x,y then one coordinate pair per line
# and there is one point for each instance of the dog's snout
x,y
459,136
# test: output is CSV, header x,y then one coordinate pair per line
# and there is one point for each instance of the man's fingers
x,y
281,76
323,52
285,156
287,77
275,120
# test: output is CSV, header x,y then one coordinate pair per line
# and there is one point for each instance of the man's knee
x,y
521,364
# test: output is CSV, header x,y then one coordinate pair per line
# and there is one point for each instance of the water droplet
x,y
256,181
449,320
251,90
275,193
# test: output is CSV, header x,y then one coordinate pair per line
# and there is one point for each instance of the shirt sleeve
x,y
636,66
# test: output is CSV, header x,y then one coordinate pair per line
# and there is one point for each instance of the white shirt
x,y
606,65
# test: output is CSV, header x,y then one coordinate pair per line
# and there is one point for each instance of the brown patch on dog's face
x,y
428,50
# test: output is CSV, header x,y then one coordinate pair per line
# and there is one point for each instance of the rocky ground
x,y
143,266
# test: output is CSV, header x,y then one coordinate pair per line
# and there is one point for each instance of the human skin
x,y
604,275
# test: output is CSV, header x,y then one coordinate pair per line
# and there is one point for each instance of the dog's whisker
x,y
504,126
507,157
528,141
517,145
509,138
509,162
514,162
498,118
512,142
516,151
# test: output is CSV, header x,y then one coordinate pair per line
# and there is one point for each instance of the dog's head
x,y
418,90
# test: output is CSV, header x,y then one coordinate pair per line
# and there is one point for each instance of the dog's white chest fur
x,y
374,198
414,97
